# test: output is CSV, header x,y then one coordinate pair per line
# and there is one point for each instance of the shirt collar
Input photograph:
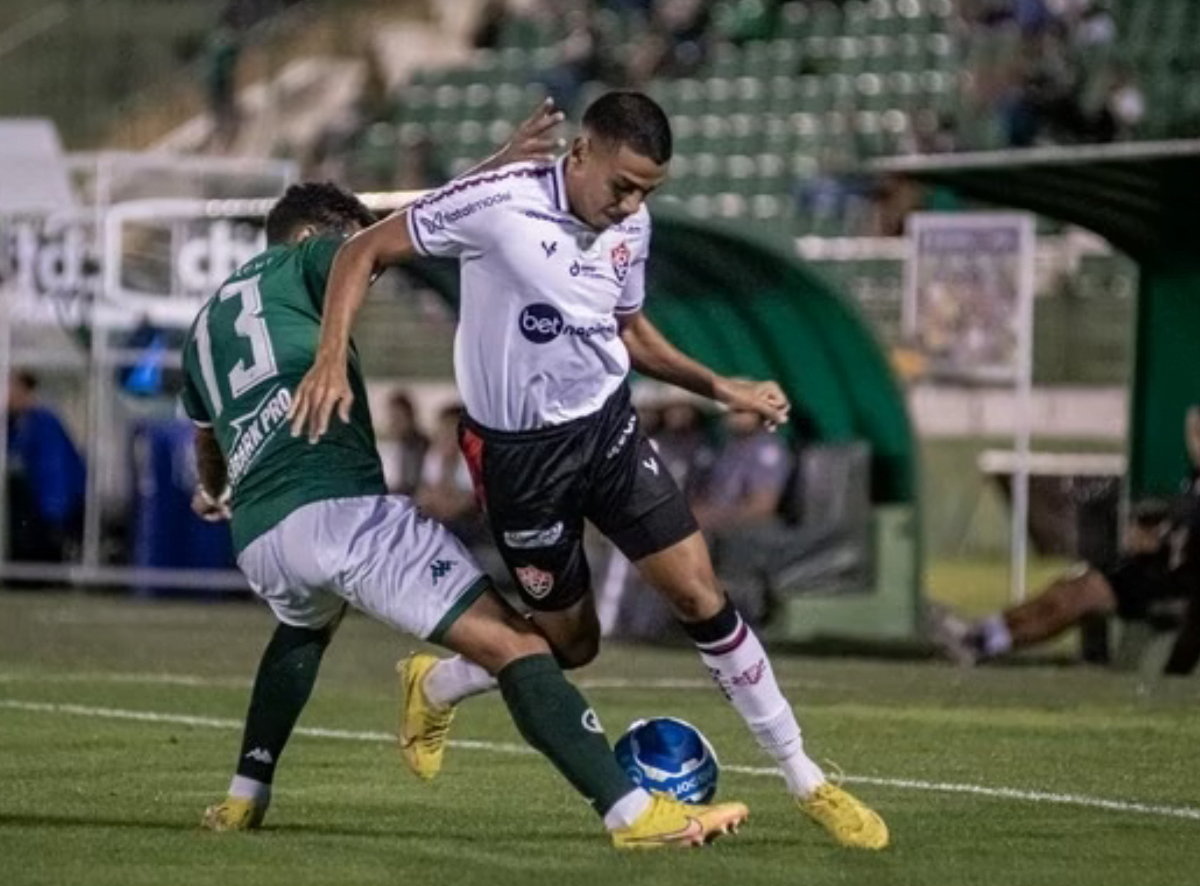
x,y
560,185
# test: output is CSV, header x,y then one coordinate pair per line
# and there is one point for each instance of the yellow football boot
x,y
234,814
423,728
668,822
845,817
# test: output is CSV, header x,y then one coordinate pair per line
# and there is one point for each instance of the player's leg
x,y
637,504
739,664
287,672
420,579
531,486
1057,608
555,586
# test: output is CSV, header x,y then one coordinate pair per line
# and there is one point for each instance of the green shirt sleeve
x,y
190,397
316,260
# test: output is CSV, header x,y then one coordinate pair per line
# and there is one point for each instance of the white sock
x,y
626,810
258,791
997,639
739,665
453,679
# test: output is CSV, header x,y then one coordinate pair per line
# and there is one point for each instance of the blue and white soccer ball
x,y
670,756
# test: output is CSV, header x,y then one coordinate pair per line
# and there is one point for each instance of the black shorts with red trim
x,y
538,487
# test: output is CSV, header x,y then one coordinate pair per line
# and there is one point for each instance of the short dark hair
x,y
624,117
323,204
25,379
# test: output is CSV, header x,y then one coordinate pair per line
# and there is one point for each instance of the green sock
x,y
285,680
556,720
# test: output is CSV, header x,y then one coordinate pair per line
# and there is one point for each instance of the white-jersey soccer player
x,y
552,260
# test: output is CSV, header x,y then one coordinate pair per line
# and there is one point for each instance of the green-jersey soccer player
x,y
315,531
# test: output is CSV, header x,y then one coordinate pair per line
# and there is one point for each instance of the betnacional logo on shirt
x,y
542,323
436,222
620,261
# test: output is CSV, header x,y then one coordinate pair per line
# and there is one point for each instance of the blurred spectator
x,y
582,57
411,443
46,482
681,441
834,199
932,132
1124,107
446,492
421,165
746,481
489,26
1157,573
221,62
675,44
1032,17
650,419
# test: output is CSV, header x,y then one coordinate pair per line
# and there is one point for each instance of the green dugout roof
x,y
1142,198
746,305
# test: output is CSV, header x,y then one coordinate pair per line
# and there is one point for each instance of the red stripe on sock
x,y
723,647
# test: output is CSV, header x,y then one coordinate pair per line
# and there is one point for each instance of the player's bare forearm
x,y
383,244
653,356
325,388
210,463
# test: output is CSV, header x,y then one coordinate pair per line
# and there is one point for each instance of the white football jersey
x,y
537,341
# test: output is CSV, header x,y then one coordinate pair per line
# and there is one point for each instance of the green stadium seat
x,y
795,21
784,58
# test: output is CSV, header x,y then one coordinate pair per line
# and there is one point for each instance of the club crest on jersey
x,y
620,261
536,582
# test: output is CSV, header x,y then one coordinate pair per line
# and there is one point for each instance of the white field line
x,y
586,684
1187,812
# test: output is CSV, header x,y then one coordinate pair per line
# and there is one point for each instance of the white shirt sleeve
x,y
633,293
458,216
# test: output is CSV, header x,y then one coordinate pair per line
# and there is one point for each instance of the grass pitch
x,y
119,722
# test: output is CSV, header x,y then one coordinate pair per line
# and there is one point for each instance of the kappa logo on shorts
x,y
441,568
536,582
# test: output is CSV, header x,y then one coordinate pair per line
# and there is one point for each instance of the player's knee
x,y
506,646
576,653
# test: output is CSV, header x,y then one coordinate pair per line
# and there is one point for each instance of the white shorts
x,y
377,553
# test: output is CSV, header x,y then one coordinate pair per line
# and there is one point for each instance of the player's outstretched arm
x,y
326,386
652,355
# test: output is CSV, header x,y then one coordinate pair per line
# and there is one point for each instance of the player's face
x,y
607,183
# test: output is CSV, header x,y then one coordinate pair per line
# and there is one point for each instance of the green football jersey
x,y
245,355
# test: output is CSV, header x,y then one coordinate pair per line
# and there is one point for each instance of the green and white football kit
x,y
313,525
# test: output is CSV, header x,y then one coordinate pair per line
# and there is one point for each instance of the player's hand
x,y
323,389
765,398
535,138
210,509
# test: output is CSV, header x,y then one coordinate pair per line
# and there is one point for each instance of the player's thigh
x,y
383,557
636,503
573,632
534,491
493,634
288,582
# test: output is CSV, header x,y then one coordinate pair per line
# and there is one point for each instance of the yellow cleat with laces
x,y
234,814
670,823
423,728
847,819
